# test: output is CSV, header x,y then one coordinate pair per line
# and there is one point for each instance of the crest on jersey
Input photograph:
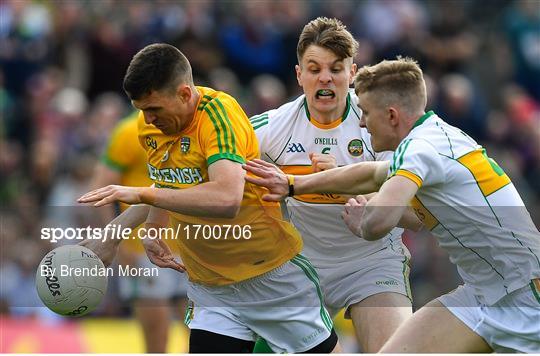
x,y
184,144
355,147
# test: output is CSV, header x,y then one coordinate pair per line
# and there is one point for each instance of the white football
x,y
71,280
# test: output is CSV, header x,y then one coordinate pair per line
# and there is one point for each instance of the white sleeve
x,y
419,161
261,126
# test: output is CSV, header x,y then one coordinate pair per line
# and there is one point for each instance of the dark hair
x,y
156,67
331,34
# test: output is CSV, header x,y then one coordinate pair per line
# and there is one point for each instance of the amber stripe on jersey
x,y
489,176
408,174
312,198
424,214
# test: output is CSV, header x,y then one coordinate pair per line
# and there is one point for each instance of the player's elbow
x,y
230,212
374,231
373,235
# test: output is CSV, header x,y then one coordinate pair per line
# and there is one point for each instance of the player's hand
x,y
106,251
160,254
112,193
322,161
268,176
353,214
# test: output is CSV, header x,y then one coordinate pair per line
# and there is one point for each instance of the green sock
x,y
261,347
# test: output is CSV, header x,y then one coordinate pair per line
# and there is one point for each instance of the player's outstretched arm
x,y
220,197
107,249
360,178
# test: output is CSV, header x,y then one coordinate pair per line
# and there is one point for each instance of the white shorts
x,y
386,271
167,284
510,325
283,306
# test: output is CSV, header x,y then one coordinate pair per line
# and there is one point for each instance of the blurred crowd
x,y
62,64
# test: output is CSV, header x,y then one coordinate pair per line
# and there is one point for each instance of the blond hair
x,y
396,82
331,34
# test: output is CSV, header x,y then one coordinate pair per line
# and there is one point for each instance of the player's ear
x,y
298,74
393,116
352,74
184,93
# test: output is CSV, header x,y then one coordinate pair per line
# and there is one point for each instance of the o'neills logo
x,y
355,147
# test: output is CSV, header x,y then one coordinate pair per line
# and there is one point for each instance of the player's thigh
x,y
289,313
433,328
351,282
284,306
377,317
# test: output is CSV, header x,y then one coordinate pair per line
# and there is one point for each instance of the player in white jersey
x,y
318,130
461,195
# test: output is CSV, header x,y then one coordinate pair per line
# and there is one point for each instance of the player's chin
x,y
378,147
325,105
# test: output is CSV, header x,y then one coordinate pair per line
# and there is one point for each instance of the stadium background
x,y
62,64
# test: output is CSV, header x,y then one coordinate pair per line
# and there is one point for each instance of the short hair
x,y
331,34
398,81
156,67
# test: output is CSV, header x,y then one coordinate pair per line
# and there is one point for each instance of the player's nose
x,y
325,76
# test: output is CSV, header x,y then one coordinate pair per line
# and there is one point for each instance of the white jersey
x,y
471,205
286,137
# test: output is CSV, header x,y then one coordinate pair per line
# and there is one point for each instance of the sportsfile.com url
x,y
117,232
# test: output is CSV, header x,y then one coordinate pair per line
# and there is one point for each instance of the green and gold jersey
x,y
219,130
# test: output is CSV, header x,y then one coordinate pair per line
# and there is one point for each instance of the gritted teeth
x,y
325,92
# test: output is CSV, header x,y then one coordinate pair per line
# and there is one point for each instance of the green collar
x,y
423,118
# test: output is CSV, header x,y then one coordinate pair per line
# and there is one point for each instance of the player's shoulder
x,y
215,100
432,132
284,115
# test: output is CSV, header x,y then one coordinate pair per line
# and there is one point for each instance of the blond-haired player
x,y
317,131
461,195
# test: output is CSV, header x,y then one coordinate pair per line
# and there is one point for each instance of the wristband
x,y
290,179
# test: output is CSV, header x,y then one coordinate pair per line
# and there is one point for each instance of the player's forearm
x,y
131,218
360,178
408,220
208,200
378,220
106,249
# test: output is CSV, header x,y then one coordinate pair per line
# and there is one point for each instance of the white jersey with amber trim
x,y
471,205
286,137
